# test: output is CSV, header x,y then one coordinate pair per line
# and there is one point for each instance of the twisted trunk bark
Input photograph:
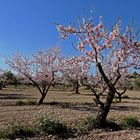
x,y
44,92
41,99
1,84
104,110
76,87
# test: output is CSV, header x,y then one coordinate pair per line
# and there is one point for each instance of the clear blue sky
x,y
27,25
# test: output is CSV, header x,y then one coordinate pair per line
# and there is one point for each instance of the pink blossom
x,y
81,46
122,47
70,29
99,48
100,25
96,29
41,69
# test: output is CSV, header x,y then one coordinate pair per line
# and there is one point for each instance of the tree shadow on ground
x,y
90,107
12,96
135,98
75,106
88,94
124,108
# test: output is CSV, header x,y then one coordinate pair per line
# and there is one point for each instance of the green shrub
x,y
129,122
91,123
14,130
88,124
20,103
28,102
51,126
2,134
31,102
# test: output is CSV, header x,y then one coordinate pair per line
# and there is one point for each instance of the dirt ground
x,y
71,110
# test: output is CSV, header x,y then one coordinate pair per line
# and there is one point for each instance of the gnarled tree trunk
x,y
76,87
104,110
44,92
105,107
41,99
1,85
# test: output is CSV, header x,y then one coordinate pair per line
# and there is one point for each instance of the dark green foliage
x,y
129,123
20,102
51,126
31,102
28,102
11,78
14,130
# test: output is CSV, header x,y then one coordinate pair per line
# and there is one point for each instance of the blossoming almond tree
x,y
40,69
111,52
73,69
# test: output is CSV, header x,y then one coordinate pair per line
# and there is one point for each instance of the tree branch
x,y
121,93
118,77
97,99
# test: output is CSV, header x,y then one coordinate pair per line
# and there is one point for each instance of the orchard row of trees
x,y
112,54
50,68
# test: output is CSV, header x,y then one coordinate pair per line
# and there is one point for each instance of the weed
x,y
129,122
51,126
14,130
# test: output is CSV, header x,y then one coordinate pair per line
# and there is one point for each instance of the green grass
x,y
90,123
28,102
51,126
130,123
